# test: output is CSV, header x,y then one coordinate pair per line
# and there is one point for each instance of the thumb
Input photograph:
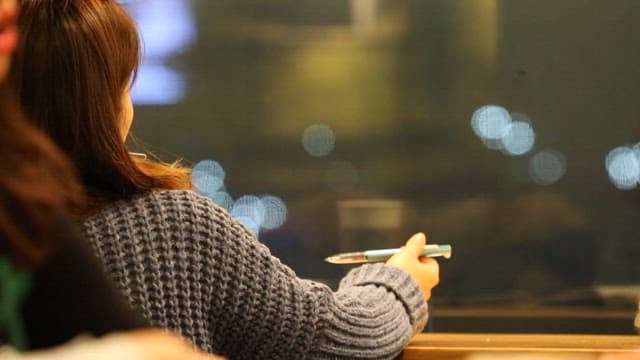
x,y
416,244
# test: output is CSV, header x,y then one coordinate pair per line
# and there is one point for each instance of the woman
x,y
51,289
177,256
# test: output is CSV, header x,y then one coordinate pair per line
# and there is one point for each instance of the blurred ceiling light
x,y
491,122
519,140
318,140
167,28
623,167
547,167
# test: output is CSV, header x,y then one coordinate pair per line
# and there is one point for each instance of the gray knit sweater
x,y
190,267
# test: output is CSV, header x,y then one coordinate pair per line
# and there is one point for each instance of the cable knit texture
x,y
188,266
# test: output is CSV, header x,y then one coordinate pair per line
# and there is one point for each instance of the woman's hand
x,y
424,270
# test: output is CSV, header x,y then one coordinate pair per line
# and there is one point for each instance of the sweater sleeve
x,y
207,276
373,314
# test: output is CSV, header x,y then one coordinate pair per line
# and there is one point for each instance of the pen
x,y
430,250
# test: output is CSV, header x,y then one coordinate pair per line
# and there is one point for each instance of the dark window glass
x,y
506,128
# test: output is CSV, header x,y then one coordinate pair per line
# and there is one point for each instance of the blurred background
x,y
506,128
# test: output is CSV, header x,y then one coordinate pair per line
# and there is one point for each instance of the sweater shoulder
x,y
173,199
162,208
180,201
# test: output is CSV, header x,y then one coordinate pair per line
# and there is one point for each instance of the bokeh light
x,y
275,212
222,198
250,211
547,167
157,84
520,138
167,28
249,223
490,122
511,133
623,167
207,177
318,140
267,211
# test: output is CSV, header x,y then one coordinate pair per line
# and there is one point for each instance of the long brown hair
x,y
36,181
74,63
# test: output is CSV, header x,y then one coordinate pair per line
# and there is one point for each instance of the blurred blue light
x,y
249,223
157,84
207,177
275,212
520,138
547,167
493,144
490,122
166,27
318,140
636,150
249,207
267,211
223,199
623,167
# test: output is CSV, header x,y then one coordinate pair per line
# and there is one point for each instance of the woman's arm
x,y
191,268
259,305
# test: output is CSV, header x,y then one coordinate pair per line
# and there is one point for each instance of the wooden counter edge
x,y
460,345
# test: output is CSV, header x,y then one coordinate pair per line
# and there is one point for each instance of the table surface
x,y
514,346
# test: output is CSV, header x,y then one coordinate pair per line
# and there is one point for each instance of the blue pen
x,y
430,250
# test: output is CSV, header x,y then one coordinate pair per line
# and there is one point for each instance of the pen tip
x,y
347,258
331,259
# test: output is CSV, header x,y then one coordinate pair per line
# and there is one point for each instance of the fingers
x,y
433,268
431,276
424,270
416,244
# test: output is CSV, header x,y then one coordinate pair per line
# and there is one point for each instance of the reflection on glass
x,y
250,211
167,28
318,140
207,176
512,133
623,167
275,212
547,167
157,84
370,223
520,138
221,198
266,212
396,90
491,122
